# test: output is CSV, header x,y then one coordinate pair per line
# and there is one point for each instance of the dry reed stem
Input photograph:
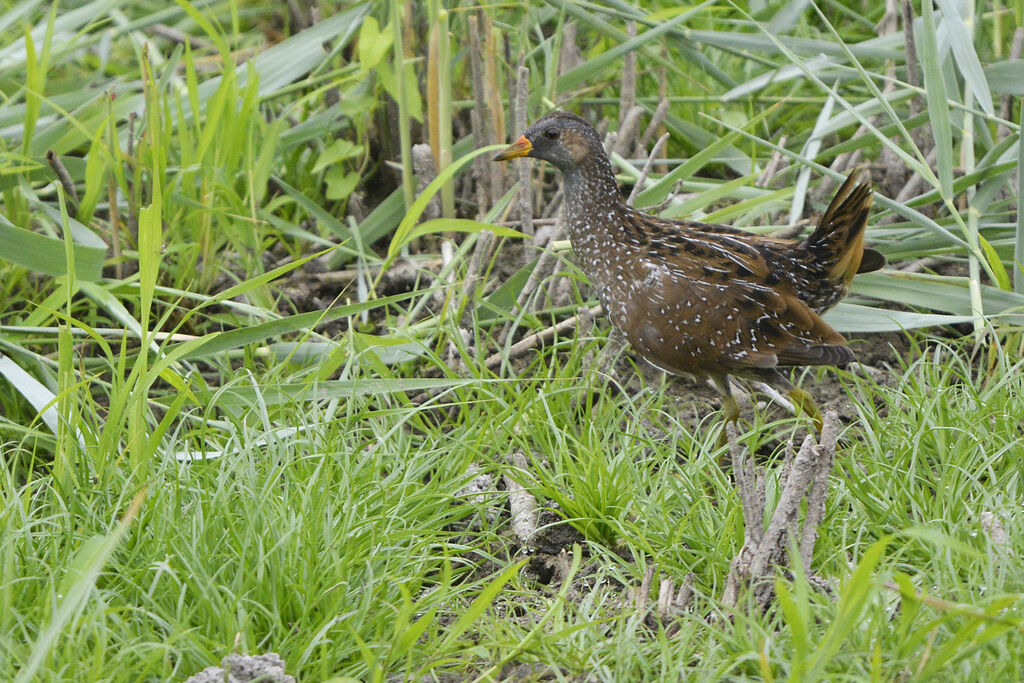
x,y
537,338
657,119
425,170
70,193
776,163
521,503
642,593
480,121
627,91
523,165
629,131
648,165
803,475
570,56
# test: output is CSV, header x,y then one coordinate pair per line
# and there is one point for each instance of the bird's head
x,y
564,139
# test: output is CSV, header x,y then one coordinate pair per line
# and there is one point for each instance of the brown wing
x,y
714,304
822,266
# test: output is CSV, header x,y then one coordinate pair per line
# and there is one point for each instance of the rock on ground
x,y
268,668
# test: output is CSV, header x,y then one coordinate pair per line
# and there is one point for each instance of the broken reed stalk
x,y
545,267
585,316
487,174
522,505
655,151
439,97
818,492
627,93
570,56
131,177
480,120
523,166
804,475
629,132
670,603
70,193
492,95
776,163
657,119
425,172
910,54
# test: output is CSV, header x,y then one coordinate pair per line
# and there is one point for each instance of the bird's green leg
x,y
730,409
803,401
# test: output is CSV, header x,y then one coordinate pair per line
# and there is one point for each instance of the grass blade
x,y
964,54
77,584
1018,245
938,107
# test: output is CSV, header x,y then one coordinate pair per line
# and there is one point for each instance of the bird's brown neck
x,y
595,213
589,187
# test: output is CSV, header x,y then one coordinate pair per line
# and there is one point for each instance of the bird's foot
x,y
806,405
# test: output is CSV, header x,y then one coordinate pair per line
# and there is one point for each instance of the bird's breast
x,y
615,270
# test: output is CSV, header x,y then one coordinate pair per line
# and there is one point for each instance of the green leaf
x,y
242,396
935,92
341,183
598,66
150,245
316,211
787,16
408,223
699,138
95,174
390,350
996,264
657,192
964,55
820,65
853,598
1006,77
481,603
115,308
461,225
43,254
500,304
373,44
849,317
42,400
297,56
793,617
233,339
934,292
339,150
688,207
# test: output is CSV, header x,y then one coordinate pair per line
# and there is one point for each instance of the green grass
x,y
201,455
352,527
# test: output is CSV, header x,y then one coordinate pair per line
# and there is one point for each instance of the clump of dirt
x,y
236,668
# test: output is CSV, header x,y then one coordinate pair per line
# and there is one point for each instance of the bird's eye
x,y
551,133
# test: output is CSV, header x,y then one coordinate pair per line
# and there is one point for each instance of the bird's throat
x,y
589,192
